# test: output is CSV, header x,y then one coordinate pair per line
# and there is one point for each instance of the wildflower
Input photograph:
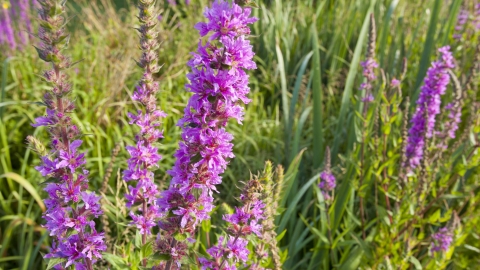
x,y
219,84
245,221
428,104
144,155
70,208
394,83
327,179
461,21
442,240
327,183
369,65
6,25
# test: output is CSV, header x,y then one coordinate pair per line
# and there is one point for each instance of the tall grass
x,y
304,98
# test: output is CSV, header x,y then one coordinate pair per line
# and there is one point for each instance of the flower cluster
x,y
70,208
461,21
476,20
327,183
218,83
369,65
442,240
15,11
144,155
428,107
246,220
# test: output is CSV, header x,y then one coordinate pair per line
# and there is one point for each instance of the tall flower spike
x,y
454,110
70,208
245,221
268,242
461,21
435,85
219,85
6,25
144,156
442,240
369,65
327,179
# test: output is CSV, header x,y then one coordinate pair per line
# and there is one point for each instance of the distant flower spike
x,y
442,240
428,103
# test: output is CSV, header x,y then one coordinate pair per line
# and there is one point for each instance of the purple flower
x,y
144,157
225,20
7,26
70,208
144,224
461,21
245,221
477,16
442,240
71,159
219,84
428,104
369,67
49,120
327,183
394,83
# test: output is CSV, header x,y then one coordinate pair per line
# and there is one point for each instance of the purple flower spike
x,y
144,155
7,26
70,208
245,221
461,21
219,84
428,103
442,240
327,183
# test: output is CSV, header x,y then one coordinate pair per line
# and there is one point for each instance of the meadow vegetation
x,y
306,115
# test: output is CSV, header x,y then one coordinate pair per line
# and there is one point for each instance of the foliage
x,y
304,98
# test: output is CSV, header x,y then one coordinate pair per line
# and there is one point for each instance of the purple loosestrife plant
x,y
6,25
219,85
369,67
442,240
70,207
144,154
327,183
428,103
461,21
245,221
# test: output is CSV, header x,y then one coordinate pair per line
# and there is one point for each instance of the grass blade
x,y
347,92
317,101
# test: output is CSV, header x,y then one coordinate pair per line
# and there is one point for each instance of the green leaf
x,y
147,249
347,92
353,260
54,261
117,262
26,185
317,101
416,263
281,235
435,216
138,239
180,237
160,257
